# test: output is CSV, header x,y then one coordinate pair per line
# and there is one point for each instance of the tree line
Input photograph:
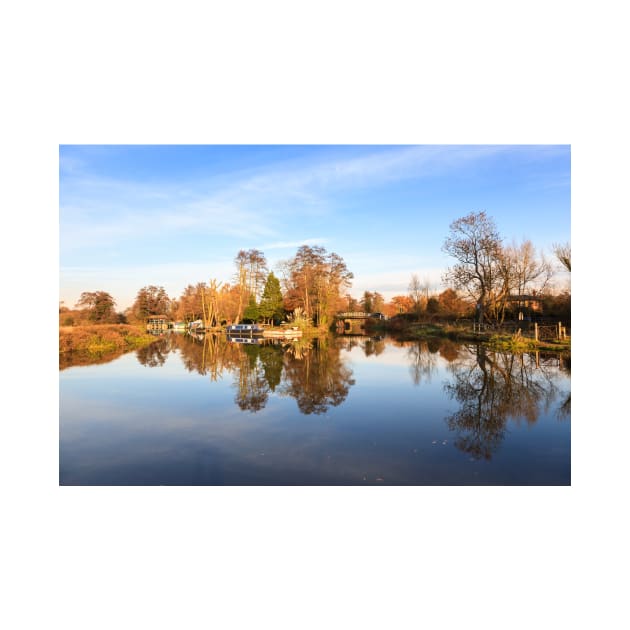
x,y
483,281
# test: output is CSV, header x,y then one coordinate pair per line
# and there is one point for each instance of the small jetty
x,y
256,330
282,333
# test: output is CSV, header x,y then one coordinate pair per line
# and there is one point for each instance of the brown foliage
x,y
97,338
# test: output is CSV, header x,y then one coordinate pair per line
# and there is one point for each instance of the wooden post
x,y
559,331
536,331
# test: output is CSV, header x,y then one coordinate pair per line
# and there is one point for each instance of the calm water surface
x,y
342,410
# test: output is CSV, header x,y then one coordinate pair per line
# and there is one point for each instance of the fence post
x,y
536,331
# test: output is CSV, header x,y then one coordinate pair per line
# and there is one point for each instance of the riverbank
x,y
496,340
98,339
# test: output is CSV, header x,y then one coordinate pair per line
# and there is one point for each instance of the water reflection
x,y
155,354
492,388
318,378
332,410
310,370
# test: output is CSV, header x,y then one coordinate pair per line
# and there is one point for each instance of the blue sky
x,y
131,216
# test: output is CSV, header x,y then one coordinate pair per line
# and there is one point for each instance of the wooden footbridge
x,y
353,322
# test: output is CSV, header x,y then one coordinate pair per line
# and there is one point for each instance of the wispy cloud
x,y
270,201
293,244
378,166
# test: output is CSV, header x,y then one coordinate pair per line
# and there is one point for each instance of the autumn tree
x,y
229,303
451,304
372,302
189,305
366,302
378,303
475,244
316,281
251,272
150,301
210,303
401,304
352,304
99,306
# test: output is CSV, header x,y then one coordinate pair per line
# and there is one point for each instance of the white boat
x,y
239,329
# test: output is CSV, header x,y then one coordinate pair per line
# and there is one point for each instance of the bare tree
x,y
476,245
563,254
520,270
416,292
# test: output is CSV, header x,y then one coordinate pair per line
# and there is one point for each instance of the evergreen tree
x,y
271,304
252,312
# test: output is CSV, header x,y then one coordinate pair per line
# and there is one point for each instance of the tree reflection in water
x,y
154,355
422,361
319,378
311,371
493,387
252,386
209,355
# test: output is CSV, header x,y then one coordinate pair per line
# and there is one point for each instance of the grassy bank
x,y
99,339
497,341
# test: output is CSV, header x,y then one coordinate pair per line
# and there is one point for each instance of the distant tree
x,y
558,306
150,301
367,302
417,293
378,303
402,304
520,270
99,306
271,304
189,306
433,305
353,304
451,305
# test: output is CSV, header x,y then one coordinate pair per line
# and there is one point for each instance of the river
x,y
334,411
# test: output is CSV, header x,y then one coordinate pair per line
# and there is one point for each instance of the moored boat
x,y
239,329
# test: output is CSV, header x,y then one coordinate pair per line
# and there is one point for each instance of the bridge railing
x,y
359,315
